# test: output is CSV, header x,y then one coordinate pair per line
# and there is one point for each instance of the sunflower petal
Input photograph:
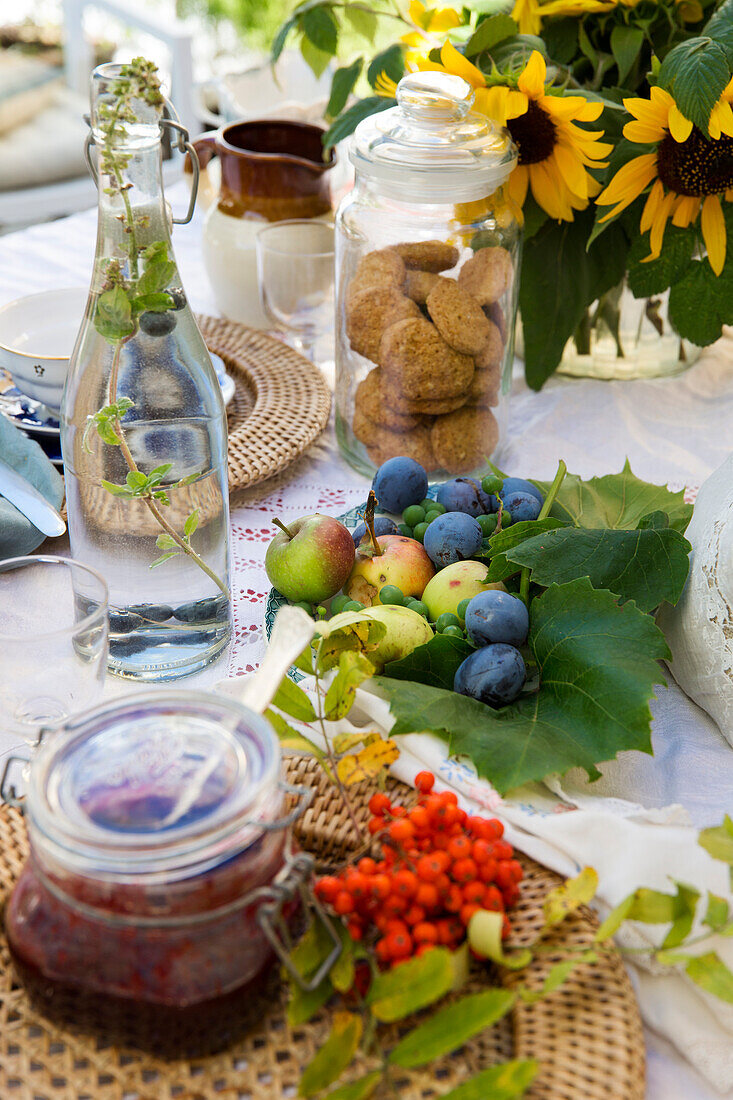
x,y
712,224
630,181
642,132
443,19
518,184
656,233
685,211
679,127
532,79
526,14
571,170
456,63
651,206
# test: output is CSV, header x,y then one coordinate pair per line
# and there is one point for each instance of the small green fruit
x,y
338,603
304,606
353,605
413,515
488,524
461,609
404,530
432,514
446,619
391,594
492,484
419,532
419,606
453,632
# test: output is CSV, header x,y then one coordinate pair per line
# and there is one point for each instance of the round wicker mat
x,y
587,1036
280,406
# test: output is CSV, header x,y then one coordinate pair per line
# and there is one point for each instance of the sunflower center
x,y
533,133
696,166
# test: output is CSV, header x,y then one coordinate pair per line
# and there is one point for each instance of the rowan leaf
x,y
502,1082
718,840
570,895
412,985
717,913
556,977
293,701
353,669
334,1056
484,937
451,1027
711,974
597,662
373,759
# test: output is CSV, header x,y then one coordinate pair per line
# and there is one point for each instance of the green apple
x,y
460,581
403,562
406,630
310,558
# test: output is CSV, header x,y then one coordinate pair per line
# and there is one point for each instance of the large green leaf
x,y
434,663
626,43
720,27
598,663
655,276
619,501
489,32
500,566
342,86
695,72
700,303
347,122
561,277
320,28
451,1027
647,566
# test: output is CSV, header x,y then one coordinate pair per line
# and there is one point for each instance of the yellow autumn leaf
x,y
368,763
565,899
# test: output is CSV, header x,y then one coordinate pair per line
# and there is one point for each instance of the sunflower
x,y
429,21
687,174
528,14
554,151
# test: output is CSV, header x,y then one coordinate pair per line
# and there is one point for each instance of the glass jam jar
x,y
160,867
427,267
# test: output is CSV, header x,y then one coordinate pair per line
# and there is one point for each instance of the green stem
x,y
281,525
544,513
132,466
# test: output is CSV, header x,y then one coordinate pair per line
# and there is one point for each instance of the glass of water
x,y
53,643
295,269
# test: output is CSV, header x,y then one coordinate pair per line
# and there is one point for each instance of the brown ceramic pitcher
x,y
270,168
270,171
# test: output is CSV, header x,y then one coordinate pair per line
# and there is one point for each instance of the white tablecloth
x,y
676,430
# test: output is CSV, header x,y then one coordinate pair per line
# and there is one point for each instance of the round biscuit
x,y
418,285
487,275
420,364
462,440
427,255
373,399
458,317
381,269
371,312
490,356
484,388
414,444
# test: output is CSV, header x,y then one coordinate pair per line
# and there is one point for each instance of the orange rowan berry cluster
x,y
439,866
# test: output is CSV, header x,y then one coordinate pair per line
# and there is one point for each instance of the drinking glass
x,y
295,270
53,642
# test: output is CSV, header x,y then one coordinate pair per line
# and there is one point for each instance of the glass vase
x,y
623,337
143,425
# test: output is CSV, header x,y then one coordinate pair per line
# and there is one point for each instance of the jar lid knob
x,y
434,97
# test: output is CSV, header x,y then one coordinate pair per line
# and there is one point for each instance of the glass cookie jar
x,y
160,874
427,258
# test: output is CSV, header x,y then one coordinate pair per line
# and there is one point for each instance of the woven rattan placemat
x,y
281,404
587,1036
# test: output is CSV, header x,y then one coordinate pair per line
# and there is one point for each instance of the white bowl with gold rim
x,y
37,335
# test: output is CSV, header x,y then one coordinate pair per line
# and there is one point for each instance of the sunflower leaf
x,y
495,29
347,122
654,277
626,43
700,304
695,72
391,62
561,276
342,86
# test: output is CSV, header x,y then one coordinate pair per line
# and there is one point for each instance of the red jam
x,y
152,902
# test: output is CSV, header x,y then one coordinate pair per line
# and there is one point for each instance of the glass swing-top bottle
x,y
143,425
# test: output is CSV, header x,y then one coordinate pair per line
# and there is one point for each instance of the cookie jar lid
x,y
164,785
432,147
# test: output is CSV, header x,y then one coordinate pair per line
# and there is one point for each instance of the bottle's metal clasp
x,y
182,143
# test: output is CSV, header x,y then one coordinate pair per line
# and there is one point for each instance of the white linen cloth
x,y
673,430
